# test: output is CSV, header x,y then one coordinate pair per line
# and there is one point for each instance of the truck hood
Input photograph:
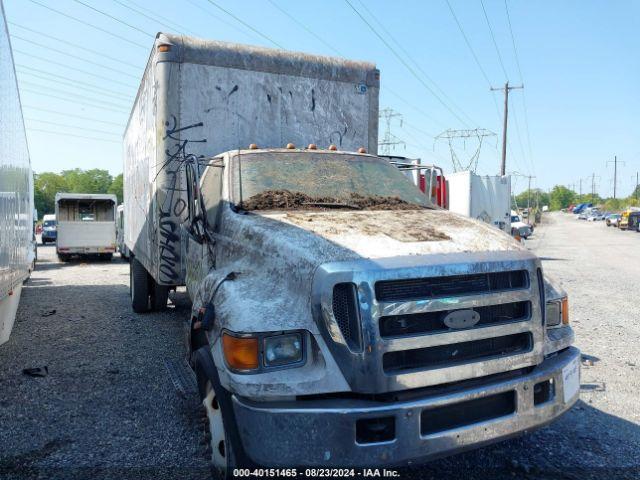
x,y
385,233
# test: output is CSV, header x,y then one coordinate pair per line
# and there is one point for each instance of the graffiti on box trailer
x,y
173,206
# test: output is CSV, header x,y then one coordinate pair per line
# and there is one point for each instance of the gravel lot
x,y
107,408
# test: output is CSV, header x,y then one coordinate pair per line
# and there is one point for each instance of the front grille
x,y
421,288
454,354
346,313
433,322
448,417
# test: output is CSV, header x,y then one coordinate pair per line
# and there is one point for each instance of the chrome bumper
x,y
323,432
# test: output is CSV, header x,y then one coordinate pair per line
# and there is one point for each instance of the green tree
x,y
46,185
87,181
537,194
116,187
561,197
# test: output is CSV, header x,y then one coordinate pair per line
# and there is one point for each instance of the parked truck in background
x,y
49,229
339,317
86,225
17,247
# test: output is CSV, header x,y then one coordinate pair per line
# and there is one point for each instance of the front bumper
x,y
323,432
47,235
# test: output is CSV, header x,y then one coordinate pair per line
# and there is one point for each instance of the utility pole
x,y
593,187
581,187
635,191
615,174
506,89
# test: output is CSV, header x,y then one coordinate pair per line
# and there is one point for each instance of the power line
x,y
66,114
222,20
75,101
115,18
407,66
92,91
493,38
123,96
524,102
152,13
244,23
72,94
305,28
417,65
83,128
60,134
135,10
48,48
42,59
464,35
75,45
414,107
83,22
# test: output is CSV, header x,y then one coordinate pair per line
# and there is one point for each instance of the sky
x,y
79,68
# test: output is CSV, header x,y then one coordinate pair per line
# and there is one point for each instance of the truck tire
x,y
138,286
224,450
159,296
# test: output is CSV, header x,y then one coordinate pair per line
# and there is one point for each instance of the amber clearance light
x,y
241,353
565,311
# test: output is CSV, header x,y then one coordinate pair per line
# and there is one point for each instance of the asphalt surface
x,y
107,408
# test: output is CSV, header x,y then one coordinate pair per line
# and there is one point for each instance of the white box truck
x,y
17,242
86,225
339,318
483,197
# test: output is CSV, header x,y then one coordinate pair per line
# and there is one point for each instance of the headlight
x,y
282,350
557,312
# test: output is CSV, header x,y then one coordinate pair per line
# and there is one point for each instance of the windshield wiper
x,y
333,205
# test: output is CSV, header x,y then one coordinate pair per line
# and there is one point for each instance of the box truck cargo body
x,y
17,246
203,98
86,224
482,197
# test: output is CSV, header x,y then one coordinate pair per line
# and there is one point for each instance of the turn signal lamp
x,y
333,148
290,146
241,353
362,150
164,47
565,311
253,146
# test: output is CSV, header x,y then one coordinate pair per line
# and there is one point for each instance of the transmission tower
x,y
389,141
454,136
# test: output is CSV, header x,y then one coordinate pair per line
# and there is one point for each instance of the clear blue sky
x,y
579,63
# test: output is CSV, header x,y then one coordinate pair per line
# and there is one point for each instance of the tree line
x,y
561,197
47,184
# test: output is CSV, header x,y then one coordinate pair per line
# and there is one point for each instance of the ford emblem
x,y
461,319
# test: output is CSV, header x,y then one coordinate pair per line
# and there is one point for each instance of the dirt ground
x,y
107,408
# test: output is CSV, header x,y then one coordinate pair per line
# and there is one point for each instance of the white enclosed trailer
x,y
485,198
202,98
16,191
86,224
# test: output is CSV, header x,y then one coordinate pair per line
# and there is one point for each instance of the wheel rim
x,y
218,450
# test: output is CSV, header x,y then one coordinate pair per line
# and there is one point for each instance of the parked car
x,y
612,220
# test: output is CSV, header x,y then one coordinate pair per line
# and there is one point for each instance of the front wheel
x,y
218,449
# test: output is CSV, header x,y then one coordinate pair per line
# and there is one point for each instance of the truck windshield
x,y
49,223
302,180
